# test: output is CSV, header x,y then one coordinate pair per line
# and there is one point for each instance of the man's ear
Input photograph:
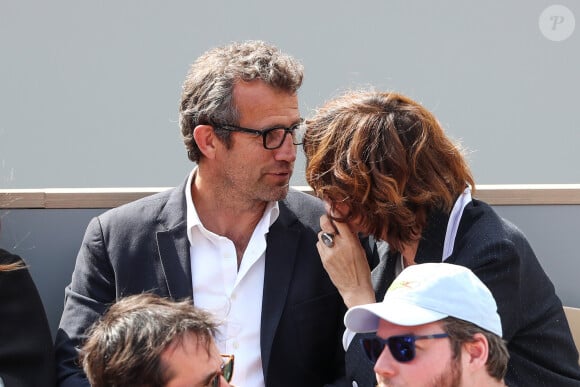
x,y
476,352
206,140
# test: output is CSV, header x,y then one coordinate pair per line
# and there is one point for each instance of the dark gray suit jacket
x,y
542,351
143,247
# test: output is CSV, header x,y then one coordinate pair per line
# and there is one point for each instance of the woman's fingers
x,y
344,260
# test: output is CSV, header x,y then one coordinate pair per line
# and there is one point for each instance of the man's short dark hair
x,y
207,95
124,347
461,331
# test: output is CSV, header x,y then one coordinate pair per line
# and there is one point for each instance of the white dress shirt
x,y
233,296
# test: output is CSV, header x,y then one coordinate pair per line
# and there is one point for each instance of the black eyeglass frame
x,y
264,133
394,343
226,370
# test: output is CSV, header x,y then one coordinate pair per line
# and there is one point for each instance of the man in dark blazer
x,y
232,231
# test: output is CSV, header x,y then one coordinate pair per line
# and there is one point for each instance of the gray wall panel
x,y
89,89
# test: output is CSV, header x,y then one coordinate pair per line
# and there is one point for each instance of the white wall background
x,y
89,89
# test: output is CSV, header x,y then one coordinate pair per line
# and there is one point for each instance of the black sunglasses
x,y
272,138
226,370
402,347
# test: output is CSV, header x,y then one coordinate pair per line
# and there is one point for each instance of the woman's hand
x,y
346,263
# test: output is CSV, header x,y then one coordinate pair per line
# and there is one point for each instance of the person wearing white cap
x,y
437,326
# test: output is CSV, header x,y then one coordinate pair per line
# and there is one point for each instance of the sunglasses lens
x,y
228,370
228,367
402,348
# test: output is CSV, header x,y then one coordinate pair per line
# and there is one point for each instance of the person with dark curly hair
x,y
385,167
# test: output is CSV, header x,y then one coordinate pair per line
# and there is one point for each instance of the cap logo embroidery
x,y
402,284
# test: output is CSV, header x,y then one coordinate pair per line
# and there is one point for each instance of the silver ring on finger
x,y
327,238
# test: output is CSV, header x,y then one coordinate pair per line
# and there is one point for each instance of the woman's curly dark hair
x,y
387,158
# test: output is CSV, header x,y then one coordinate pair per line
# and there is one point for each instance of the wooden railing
x,y
520,194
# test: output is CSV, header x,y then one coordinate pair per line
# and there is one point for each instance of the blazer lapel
x,y
173,245
281,250
430,247
175,263
383,274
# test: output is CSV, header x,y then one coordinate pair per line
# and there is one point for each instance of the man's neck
x,y
485,380
228,216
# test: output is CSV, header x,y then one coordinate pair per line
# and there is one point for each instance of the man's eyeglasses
x,y
402,347
226,370
272,138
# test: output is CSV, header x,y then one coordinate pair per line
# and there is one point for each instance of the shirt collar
x,y
270,215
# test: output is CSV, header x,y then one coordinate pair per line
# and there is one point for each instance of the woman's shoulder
x,y
8,258
479,217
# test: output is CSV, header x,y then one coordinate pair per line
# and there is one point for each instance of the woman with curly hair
x,y
384,167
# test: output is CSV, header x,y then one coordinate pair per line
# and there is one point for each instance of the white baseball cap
x,y
426,293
